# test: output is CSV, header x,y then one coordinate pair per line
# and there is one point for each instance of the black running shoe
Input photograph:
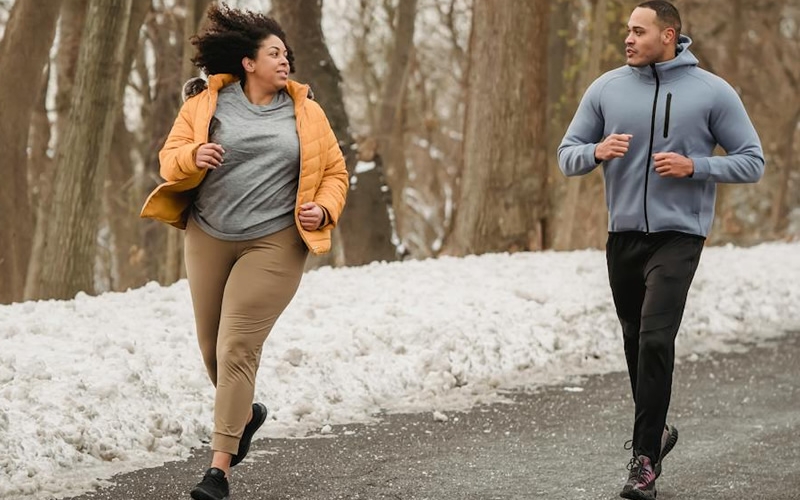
x,y
214,486
641,483
259,416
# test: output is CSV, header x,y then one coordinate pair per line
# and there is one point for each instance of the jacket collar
x,y
216,82
298,91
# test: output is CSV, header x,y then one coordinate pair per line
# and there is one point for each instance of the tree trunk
x,y
70,244
161,104
173,263
570,202
780,210
503,201
124,190
40,171
559,93
73,17
23,54
390,130
389,126
729,70
366,229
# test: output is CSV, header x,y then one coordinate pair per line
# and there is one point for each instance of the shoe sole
x,y
638,495
247,436
201,494
672,439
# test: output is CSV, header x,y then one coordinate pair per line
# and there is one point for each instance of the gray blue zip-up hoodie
x,y
672,106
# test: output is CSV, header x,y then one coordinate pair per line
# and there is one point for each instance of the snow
x,y
100,385
364,166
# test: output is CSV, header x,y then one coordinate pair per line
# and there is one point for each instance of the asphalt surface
x,y
738,415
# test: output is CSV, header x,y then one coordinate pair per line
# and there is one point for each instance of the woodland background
x,y
449,113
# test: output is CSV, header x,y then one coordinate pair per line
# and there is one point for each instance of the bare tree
x,y
73,17
781,121
389,131
389,128
160,84
125,187
24,51
748,214
434,125
570,204
503,203
365,230
194,10
422,126
70,246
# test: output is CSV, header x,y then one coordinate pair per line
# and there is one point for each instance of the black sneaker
x,y
641,483
214,486
259,416
668,440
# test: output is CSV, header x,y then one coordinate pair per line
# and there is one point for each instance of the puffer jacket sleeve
x,y
176,158
332,191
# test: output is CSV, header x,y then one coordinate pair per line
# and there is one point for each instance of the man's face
x,y
647,42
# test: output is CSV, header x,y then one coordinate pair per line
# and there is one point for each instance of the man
x,y
653,125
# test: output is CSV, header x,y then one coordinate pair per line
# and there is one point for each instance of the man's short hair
x,y
666,13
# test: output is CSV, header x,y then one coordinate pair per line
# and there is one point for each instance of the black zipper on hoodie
x,y
666,115
650,148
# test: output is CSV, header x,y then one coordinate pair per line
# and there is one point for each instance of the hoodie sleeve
x,y
730,125
576,152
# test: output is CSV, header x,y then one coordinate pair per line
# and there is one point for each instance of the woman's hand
x,y
209,155
311,216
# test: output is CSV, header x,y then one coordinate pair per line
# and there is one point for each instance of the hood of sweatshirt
x,y
672,69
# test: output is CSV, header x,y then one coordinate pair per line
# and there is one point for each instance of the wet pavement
x,y
738,416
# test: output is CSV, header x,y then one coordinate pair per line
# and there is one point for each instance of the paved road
x,y
738,415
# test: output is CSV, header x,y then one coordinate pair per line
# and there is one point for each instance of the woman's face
x,y
270,68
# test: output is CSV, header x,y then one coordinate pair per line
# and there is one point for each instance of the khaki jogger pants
x,y
239,289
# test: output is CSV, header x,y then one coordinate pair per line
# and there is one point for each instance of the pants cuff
x,y
224,443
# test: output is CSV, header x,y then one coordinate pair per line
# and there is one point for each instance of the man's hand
x,y
613,146
673,165
209,155
310,216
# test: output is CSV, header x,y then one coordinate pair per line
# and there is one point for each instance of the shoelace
x,y
639,471
634,464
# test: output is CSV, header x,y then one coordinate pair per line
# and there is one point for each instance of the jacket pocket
x,y
666,115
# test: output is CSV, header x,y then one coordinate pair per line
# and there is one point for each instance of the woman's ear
x,y
248,64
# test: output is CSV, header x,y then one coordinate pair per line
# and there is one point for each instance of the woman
x,y
256,177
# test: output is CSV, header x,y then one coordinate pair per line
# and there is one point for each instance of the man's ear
x,y
668,36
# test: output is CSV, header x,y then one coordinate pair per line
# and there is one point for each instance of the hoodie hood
x,y
672,69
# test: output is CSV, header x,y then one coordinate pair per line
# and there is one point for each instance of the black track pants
x,y
650,275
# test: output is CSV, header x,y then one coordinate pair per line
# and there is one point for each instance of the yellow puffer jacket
x,y
323,176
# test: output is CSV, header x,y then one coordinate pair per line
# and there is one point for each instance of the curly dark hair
x,y
231,35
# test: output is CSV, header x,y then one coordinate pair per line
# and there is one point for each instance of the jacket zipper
x,y
666,115
650,148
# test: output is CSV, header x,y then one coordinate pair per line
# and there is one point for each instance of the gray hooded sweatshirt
x,y
672,106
